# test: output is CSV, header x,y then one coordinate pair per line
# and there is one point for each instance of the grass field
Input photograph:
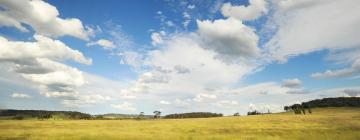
x,y
326,123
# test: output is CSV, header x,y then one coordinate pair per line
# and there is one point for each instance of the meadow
x,y
324,123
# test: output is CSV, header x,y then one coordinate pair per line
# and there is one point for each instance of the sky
x,y
177,56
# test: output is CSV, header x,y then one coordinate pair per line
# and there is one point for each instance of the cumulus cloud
x,y
157,38
184,53
203,97
44,47
132,58
297,91
264,88
346,72
252,107
154,77
226,103
191,6
255,9
229,37
126,106
117,35
164,102
265,108
59,81
106,44
182,72
187,19
85,100
291,83
39,62
20,95
181,69
42,17
306,26
352,92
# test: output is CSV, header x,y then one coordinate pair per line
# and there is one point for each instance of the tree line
x,y
193,115
43,114
325,102
335,102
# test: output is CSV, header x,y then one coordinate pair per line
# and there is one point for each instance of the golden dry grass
x,y
326,123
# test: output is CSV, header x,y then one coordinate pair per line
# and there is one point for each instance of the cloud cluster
x,y
106,44
352,92
291,83
20,95
39,62
157,38
303,27
353,70
42,17
229,37
255,9
124,106
203,68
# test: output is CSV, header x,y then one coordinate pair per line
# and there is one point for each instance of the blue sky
x,y
176,56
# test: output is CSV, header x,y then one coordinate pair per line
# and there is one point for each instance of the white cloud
x,y
255,9
297,91
39,62
181,69
20,95
170,23
229,37
126,106
157,38
226,103
132,58
203,97
352,92
183,72
252,107
206,70
291,83
85,100
191,6
354,69
265,88
106,44
303,27
42,17
265,108
58,81
44,47
164,102
187,19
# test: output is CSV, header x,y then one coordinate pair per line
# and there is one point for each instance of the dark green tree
x,y
157,114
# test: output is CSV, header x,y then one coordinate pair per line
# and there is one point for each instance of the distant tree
x,y
237,114
296,108
99,117
253,113
303,110
157,114
287,108
18,117
44,115
141,115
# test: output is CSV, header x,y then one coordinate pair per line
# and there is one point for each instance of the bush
x,y
18,117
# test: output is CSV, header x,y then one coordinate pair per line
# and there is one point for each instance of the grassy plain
x,y
325,123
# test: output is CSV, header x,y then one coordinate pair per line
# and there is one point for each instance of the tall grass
x,y
329,123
